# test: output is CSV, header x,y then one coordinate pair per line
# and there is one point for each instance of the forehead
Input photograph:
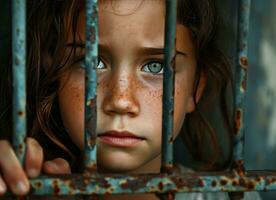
x,y
129,17
134,22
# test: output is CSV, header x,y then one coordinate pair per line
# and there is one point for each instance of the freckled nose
x,y
120,98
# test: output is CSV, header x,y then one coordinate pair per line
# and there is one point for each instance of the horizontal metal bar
x,y
153,183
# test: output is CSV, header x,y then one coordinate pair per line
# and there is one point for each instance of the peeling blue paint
x,y
91,61
19,76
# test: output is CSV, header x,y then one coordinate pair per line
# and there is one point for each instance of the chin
x,y
117,167
117,163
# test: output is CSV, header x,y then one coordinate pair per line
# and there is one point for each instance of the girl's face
x,y
129,101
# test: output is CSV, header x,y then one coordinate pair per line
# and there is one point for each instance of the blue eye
x,y
101,64
154,67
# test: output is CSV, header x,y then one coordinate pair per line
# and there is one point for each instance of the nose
x,y
120,98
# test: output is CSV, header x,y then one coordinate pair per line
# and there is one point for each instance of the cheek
x,y
71,103
151,105
180,102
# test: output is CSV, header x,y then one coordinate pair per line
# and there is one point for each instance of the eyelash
x,y
160,72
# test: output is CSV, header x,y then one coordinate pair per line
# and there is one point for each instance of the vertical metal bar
x,y
240,89
19,76
241,78
91,59
168,86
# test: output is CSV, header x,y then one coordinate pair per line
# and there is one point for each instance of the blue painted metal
x,y
168,86
153,183
91,61
241,78
19,76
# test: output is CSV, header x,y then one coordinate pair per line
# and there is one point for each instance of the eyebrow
x,y
143,50
158,51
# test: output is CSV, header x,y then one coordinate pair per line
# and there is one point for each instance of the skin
x,y
129,96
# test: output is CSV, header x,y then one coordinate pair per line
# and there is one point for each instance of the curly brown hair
x,y
47,63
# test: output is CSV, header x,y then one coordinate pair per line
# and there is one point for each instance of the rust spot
x,y
38,184
160,186
271,180
201,183
167,168
223,182
244,82
235,183
56,187
238,121
124,185
91,141
244,62
238,166
106,184
91,104
214,183
242,182
20,149
250,185
20,113
171,140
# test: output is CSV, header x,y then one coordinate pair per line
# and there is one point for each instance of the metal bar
x,y
19,76
240,90
95,184
241,78
91,60
168,86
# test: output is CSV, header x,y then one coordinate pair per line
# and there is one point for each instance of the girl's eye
x,y
101,64
154,67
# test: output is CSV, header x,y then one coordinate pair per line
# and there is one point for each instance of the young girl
x,y
129,97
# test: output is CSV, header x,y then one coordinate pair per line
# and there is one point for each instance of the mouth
x,y
120,139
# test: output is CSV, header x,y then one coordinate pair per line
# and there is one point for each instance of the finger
x,y
34,158
3,187
12,171
57,166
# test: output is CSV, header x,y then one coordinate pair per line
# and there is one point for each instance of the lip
x,y
120,138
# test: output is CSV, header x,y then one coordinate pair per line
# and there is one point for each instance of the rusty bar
x,y
241,78
91,60
19,76
240,90
168,86
96,184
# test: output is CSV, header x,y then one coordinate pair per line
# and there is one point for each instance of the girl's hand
x,y
15,177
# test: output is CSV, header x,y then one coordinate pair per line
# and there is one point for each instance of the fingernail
x,y
21,187
33,173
